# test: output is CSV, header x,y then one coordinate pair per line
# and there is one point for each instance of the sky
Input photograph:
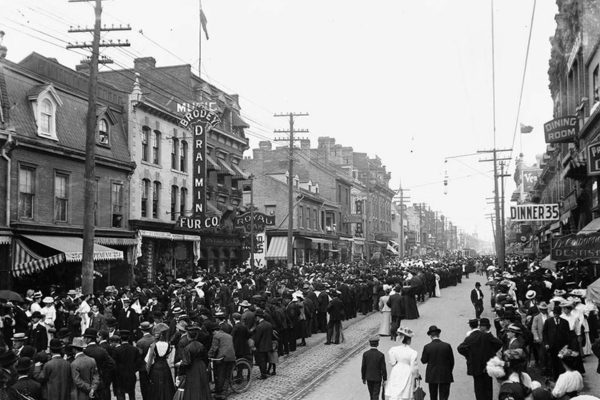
x,y
408,81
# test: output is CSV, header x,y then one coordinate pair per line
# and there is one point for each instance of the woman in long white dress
x,y
401,382
386,313
438,292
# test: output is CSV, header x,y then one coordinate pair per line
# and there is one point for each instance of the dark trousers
x,y
322,318
396,321
484,387
223,374
292,338
145,385
442,388
556,363
261,361
374,389
334,329
120,393
478,310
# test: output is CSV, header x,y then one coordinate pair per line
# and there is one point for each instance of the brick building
x,y
161,186
43,132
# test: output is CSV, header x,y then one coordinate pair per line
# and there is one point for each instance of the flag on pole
x,y
526,128
203,21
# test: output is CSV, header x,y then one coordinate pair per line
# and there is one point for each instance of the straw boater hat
x,y
48,300
405,332
530,294
542,306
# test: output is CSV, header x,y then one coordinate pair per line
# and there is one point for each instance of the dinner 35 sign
x,y
200,121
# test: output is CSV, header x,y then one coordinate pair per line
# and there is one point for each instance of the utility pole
x,y
290,237
402,200
87,267
499,223
491,218
503,221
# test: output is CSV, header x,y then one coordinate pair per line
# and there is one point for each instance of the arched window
x,y
145,196
183,202
46,117
183,156
103,137
156,147
175,154
155,199
174,193
145,143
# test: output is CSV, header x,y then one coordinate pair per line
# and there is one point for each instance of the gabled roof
x,y
35,92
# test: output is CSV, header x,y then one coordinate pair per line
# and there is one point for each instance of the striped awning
x,y
72,248
5,240
277,248
26,261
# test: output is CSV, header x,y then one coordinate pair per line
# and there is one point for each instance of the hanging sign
x,y
260,221
561,130
593,159
200,121
535,212
576,247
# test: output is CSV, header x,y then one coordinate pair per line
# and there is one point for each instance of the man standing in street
x,y
83,372
262,342
55,374
555,336
397,310
439,358
477,299
478,348
335,308
143,345
373,370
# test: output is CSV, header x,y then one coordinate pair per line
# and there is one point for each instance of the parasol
x,y
593,291
9,295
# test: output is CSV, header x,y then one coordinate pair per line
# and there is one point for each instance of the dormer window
x,y
45,102
47,118
103,134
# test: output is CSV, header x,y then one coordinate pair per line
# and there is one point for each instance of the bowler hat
x,y
433,329
145,326
90,333
55,344
260,313
62,333
485,322
110,322
23,365
7,358
36,314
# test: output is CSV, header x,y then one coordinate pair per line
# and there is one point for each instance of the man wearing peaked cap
x,y
373,369
439,358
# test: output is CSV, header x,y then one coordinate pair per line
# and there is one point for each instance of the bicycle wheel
x,y
241,376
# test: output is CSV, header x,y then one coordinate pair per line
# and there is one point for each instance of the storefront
x,y
358,249
220,253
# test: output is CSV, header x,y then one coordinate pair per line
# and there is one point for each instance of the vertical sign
x,y
200,121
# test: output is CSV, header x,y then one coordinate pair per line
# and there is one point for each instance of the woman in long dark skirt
x,y
193,368
159,364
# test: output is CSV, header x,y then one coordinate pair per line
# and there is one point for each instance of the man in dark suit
x,y
83,372
439,358
127,317
321,308
20,348
240,335
55,374
396,310
24,385
128,361
262,342
335,309
555,336
373,370
478,348
222,346
477,299
105,364
143,345
38,336
97,320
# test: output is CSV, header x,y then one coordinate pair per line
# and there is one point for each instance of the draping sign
x,y
200,121
534,212
260,247
260,221
561,130
529,178
576,247
593,159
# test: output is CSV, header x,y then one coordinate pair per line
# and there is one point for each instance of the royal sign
x,y
260,221
576,247
593,159
200,121
561,130
535,212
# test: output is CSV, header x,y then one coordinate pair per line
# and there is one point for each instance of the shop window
x,y
156,147
145,143
61,197
155,199
183,201
183,156
145,196
117,205
103,134
175,153
26,192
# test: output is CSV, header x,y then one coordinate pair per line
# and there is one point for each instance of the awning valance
x,y
26,261
211,164
5,239
379,242
111,241
592,227
240,174
277,248
225,168
319,240
72,247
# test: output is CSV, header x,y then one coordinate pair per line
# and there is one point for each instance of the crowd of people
x,y
62,344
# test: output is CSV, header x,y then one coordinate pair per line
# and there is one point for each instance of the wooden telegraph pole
x,y
290,236
87,269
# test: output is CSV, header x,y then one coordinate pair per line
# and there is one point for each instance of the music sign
x,y
561,130
200,121
593,159
534,212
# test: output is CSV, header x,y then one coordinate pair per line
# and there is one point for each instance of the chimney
x,y
3,49
258,154
265,145
305,144
84,68
144,63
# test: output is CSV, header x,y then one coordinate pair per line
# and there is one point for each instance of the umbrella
x,y
9,295
593,291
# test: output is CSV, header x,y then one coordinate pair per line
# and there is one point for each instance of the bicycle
x,y
241,374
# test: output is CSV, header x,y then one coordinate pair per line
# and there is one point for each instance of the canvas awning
x,y
547,263
592,227
240,174
26,261
225,168
211,164
277,248
319,240
5,239
72,248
